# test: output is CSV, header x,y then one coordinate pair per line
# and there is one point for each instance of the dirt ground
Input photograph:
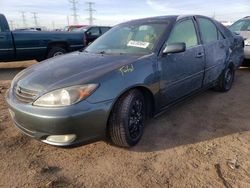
x,y
203,142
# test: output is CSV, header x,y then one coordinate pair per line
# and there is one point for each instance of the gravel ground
x,y
203,142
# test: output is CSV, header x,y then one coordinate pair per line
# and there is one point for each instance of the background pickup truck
x,y
27,45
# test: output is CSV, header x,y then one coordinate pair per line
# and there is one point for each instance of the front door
x,y
182,73
6,45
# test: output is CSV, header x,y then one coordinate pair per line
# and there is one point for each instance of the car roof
x,y
163,18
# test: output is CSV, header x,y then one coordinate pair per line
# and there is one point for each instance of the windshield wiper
x,y
101,52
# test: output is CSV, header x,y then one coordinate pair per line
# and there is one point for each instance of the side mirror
x,y
89,33
175,48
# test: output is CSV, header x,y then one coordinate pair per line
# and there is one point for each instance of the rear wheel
x,y
56,51
226,80
126,123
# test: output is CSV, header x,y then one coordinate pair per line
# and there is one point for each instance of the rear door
x,y
216,49
182,73
7,51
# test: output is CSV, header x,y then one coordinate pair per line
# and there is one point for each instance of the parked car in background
x,y
39,45
73,27
92,32
242,27
137,69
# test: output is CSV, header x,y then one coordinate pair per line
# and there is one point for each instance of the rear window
x,y
209,32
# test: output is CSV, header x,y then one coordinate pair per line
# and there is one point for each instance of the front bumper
x,y
85,120
247,52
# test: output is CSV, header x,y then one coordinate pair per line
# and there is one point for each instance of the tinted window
x,y
184,32
208,30
94,31
241,25
104,29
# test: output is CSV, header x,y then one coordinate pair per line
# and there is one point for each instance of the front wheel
x,y
226,80
127,118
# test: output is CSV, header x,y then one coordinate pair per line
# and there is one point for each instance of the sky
x,y
54,13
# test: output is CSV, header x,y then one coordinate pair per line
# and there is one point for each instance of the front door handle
x,y
200,55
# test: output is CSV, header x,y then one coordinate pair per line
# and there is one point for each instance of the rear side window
x,y
184,32
104,29
209,32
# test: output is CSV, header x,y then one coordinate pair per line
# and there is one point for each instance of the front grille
x,y
24,95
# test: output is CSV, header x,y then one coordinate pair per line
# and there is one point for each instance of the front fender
x,y
142,73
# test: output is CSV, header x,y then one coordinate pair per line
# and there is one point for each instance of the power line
x,y
90,10
35,17
74,10
23,19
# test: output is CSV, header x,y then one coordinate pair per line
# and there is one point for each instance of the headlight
x,y
66,96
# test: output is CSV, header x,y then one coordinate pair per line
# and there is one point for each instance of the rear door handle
x,y
199,55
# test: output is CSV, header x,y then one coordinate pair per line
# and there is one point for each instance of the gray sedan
x,y
136,70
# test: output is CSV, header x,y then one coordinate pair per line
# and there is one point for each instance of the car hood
x,y
71,69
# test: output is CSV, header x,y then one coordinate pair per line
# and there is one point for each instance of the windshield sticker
x,y
138,44
126,69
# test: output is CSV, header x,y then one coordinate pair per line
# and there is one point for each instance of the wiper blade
x,y
101,52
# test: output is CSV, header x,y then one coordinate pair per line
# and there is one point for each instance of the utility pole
x,y
90,10
53,25
11,24
74,10
68,20
24,19
35,17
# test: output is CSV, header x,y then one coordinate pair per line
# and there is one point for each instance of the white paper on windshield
x,y
138,44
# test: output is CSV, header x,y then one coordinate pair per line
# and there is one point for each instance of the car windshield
x,y
129,39
241,25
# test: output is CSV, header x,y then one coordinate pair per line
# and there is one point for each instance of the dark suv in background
x,y
92,32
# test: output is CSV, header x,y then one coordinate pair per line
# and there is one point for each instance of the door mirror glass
x,y
175,48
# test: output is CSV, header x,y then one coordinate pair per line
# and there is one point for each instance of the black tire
x,y
226,80
126,123
56,51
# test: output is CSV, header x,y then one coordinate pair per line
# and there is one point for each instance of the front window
x,y
184,31
241,25
129,39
